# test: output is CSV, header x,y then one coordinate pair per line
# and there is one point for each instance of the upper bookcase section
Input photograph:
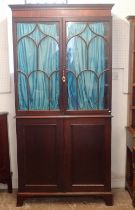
x,y
62,57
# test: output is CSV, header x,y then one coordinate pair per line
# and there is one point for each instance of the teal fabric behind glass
x,y
86,65
38,66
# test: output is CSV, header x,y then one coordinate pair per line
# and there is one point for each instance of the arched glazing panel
x,y
99,29
27,54
87,99
38,59
104,88
48,59
74,28
51,30
54,91
72,90
38,96
36,35
87,57
76,51
24,29
23,94
97,55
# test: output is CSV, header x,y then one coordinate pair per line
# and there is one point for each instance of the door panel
x,y
87,150
86,157
38,65
4,149
40,154
87,66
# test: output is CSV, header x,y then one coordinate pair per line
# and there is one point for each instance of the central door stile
x,y
67,182
60,155
61,100
63,72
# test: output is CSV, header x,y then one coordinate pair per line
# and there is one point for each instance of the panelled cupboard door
x,y
40,155
87,154
64,155
63,65
5,174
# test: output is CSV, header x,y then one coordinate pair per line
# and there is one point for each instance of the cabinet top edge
x,y
130,17
3,113
60,6
131,131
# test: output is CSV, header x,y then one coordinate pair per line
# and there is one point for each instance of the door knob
x,y
63,78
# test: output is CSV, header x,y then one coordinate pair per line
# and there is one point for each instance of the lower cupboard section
x,y
64,156
130,164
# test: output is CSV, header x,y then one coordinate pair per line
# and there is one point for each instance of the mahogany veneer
x,y
5,174
62,153
130,145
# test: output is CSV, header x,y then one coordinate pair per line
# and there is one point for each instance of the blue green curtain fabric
x,y
38,66
86,65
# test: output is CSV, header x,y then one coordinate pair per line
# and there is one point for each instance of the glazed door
x,y
87,66
39,64
40,154
63,68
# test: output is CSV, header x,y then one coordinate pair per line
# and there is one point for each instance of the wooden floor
x,y
122,201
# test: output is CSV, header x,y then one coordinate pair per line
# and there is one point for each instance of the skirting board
x,y
118,182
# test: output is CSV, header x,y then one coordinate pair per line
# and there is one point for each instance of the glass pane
x,y
86,65
38,62
54,90
38,96
27,53
22,89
